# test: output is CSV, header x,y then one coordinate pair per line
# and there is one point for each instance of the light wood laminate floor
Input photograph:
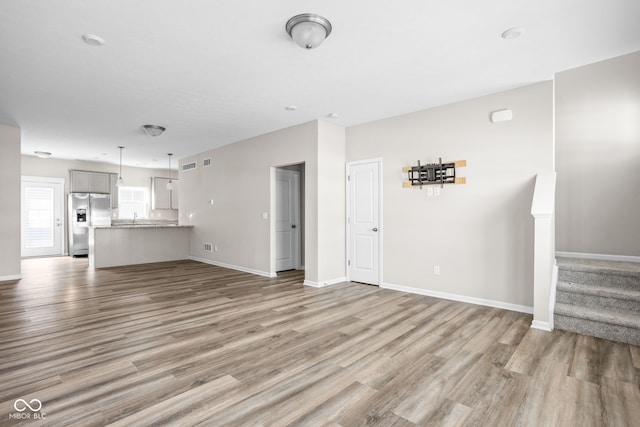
x,y
185,343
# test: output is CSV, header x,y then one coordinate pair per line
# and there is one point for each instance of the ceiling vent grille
x,y
206,162
189,166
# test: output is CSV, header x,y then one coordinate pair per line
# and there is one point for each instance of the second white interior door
x,y
287,220
364,223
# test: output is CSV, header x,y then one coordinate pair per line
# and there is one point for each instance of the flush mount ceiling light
x,y
153,130
42,154
308,30
93,40
512,33
120,181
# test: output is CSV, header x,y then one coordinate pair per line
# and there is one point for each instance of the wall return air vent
x,y
206,162
208,247
189,166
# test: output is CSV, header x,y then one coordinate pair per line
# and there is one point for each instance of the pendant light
x,y
120,181
170,183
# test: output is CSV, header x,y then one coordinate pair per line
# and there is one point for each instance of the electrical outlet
x,y
436,270
265,215
436,191
429,191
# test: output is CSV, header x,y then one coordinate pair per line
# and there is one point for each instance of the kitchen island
x,y
138,244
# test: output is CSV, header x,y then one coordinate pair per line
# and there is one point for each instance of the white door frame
x,y
271,215
295,201
45,180
377,160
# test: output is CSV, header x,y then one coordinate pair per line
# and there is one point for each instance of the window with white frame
x,y
133,202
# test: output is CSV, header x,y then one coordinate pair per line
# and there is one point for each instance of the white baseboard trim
x,y
325,282
10,278
233,267
461,298
604,257
543,326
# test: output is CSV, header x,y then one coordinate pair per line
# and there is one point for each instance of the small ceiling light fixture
x,y
308,30
170,183
291,108
153,130
120,181
93,40
512,33
332,115
42,154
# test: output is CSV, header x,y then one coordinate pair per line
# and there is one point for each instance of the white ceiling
x,y
216,72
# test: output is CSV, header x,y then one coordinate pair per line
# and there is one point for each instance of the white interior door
x,y
42,213
363,220
287,219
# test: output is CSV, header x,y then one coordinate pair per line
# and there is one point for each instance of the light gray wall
x,y
10,206
598,157
240,184
481,233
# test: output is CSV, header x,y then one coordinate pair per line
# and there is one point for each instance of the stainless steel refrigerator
x,y
86,210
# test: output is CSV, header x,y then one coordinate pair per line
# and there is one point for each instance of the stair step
x,y
619,327
604,291
622,268
613,274
620,333
611,299
598,315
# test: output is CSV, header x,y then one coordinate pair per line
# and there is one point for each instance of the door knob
x,y
293,226
375,228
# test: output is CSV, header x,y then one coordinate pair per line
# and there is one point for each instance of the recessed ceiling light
x,y
291,108
93,40
512,33
42,154
333,115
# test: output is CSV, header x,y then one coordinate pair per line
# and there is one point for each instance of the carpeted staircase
x,y
599,298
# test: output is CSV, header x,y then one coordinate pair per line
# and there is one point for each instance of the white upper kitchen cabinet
x,y
90,182
161,196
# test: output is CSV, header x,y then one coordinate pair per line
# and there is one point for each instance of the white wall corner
x,y
552,296
325,282
543,326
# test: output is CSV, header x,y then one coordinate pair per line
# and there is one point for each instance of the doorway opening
x,y
289,214
42,214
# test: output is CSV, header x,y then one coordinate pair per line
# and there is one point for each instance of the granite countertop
x,y
145,226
